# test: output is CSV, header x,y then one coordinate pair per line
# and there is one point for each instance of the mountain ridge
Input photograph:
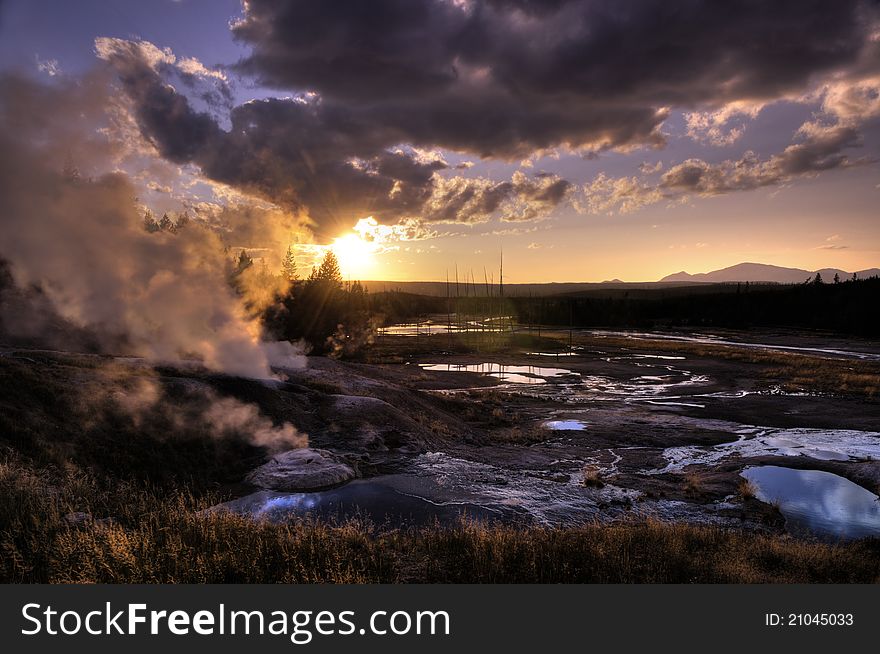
x,y
763,272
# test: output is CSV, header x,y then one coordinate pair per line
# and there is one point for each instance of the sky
x,y
587,139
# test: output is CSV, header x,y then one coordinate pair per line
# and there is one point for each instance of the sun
x,y
355,255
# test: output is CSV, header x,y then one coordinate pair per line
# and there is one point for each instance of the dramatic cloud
x,y
534,198
821,147
370,88
714,127
505,77
622,194
316,159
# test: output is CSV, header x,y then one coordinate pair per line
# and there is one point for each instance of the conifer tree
x,y
150,225
288,266
329,269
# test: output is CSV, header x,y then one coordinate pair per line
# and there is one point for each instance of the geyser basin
x,y
819,502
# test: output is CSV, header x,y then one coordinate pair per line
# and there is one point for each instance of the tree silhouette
x,y
150,224
331,319
328,271
166,224
818,279
288,266
836,278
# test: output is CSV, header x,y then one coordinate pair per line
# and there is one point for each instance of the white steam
x,y
81,241
142,396
228,415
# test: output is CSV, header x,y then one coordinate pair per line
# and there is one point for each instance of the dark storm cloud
x,y
377,84
468,200
505,77
317,157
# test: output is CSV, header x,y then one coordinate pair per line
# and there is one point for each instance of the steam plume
x,y
81,240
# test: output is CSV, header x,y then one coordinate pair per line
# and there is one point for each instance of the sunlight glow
x,y
355,255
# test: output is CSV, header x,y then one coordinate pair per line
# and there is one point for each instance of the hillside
x,y
762,272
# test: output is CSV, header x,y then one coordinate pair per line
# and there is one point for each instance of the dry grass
x,y
157,538
693,484
145,492
592,477
747,489
521,435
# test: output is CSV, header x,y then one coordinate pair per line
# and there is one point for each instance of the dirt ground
x,y
651,428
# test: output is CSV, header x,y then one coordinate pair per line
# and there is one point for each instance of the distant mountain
x,y
762,272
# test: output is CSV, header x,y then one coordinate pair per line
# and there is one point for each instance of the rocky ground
x,y
648,434
613,429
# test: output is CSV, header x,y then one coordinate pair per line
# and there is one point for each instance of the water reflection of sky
x,y
512,374
368,498
430,327
818,501
565,425
635,389
296,503
711,339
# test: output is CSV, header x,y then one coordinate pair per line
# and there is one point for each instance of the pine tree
x,y
166,224
150,225
329,269
288,266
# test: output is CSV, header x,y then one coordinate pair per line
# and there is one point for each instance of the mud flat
x,y
617,454
612,430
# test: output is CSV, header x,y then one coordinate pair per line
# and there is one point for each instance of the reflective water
x,y
371,499
442,326
711,339
512,374
565,425
595,387
819,502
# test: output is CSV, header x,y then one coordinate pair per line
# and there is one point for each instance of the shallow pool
x,y
565,425
819,502
371,499
511,374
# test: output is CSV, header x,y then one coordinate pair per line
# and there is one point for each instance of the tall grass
x,y
155,537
